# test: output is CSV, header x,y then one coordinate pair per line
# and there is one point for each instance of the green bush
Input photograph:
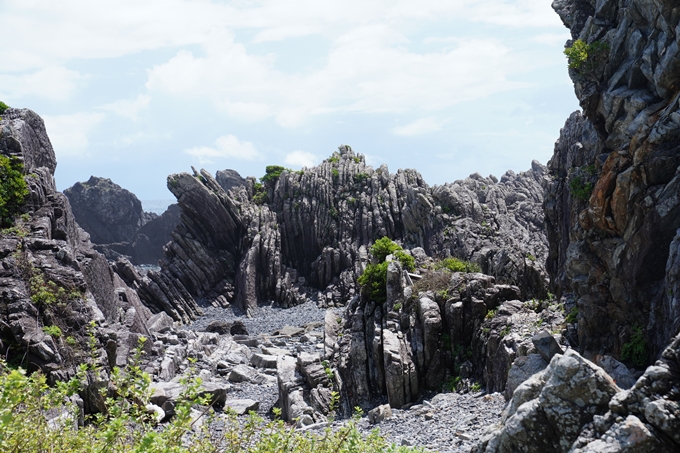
x,y
580,189
587,59
383,247
3,107
572,317
53,331
13,189
456,265
374,281
335,173
374,278
259,194
272,173
361,177
635,350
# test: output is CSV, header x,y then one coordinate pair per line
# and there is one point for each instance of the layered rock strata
x,y
613,206
309,236
53,283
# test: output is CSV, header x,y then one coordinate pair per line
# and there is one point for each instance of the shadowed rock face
x,y
310,236
105,210
46,252
118,226
613,206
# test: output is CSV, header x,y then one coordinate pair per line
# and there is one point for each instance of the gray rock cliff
x,y
305,234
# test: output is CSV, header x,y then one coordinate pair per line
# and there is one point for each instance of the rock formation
x,y
305,234
116,222
612,208
53,283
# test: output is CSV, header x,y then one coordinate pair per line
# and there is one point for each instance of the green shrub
x,y
361,177
587,59
374,281
335,173
491,313
397,306
13,189
53,331
635,350
383,247
3,107
406,260
456,265
572,317
580,189
272,173
259,194
334,159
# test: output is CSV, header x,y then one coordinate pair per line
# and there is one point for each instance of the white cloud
x,y
552,39
419,127
69,133
301,159
367,71
129,108
226,147
55,83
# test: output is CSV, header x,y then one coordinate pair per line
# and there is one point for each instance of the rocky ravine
x,y
310,236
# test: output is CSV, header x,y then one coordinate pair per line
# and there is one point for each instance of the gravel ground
x,y
446,422
266,319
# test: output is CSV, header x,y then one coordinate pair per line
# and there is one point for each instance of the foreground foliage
x,y
35,418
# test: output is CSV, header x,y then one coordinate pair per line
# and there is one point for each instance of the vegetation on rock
x,y
13,189
457,265
3,107
374,278
587,59
35,418
635,350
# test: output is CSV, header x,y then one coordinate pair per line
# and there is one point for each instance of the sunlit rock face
x,y
613,205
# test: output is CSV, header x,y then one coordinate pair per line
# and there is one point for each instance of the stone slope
x,y
309,236
613,206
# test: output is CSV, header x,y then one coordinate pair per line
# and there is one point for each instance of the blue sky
x,y
134,90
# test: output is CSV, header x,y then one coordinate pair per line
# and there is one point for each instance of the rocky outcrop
x,y
116,222
574,406
53,283
435,330
309,235
105,210
612,207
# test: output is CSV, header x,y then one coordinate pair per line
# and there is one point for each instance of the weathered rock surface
x,y
612,208
116,222
574,406
548,411
53,283
442,327
309,237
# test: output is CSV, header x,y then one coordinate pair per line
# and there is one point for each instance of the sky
x,y
135,90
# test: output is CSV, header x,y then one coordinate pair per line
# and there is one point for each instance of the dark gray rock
x,y
546,345
46,247
228,179
105,210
